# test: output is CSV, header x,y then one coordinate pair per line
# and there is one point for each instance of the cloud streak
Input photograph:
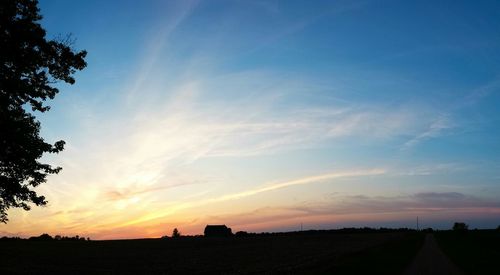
x,y
437,128
252,192
301,181
354,210
157,45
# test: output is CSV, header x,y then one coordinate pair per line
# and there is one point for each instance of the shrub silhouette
x,y
460,226
241,234
176,233
43,237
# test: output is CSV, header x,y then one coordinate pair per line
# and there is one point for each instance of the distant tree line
x,y
175,234
348,230
458,226
47,237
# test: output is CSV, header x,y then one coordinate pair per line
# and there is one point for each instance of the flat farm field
x,y
301,253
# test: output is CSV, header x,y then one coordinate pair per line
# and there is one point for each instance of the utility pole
x,y
417,224
301,227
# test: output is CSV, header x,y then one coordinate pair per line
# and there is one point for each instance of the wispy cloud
x,y
436,128
480,93
302,181
432,169
346,210
156,45
444,122
145,159
239,195
187,126
300,24
424,201
130,192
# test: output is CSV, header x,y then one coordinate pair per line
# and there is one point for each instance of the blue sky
x,y
266,114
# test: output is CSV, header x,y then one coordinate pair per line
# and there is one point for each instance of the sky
x,y
265,115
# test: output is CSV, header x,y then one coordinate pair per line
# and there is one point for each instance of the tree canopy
x,y
30,65
176,233
460,226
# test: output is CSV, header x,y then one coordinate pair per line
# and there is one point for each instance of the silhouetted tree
x,y
241,234
43,237
176,233
30,65
460,226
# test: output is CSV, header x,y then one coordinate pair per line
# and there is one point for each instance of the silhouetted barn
x,y
217,231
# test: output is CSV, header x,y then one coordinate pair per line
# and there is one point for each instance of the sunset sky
x,y
263,115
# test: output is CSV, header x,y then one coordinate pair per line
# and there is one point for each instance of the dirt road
x,y
431,260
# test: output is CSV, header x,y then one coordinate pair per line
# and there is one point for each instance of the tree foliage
x,y
176,233
460,226
30,65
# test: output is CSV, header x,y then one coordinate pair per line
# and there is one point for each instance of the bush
x,y
460,226
176,233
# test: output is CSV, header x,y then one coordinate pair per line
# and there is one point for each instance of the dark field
x,y
375,253
474,251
